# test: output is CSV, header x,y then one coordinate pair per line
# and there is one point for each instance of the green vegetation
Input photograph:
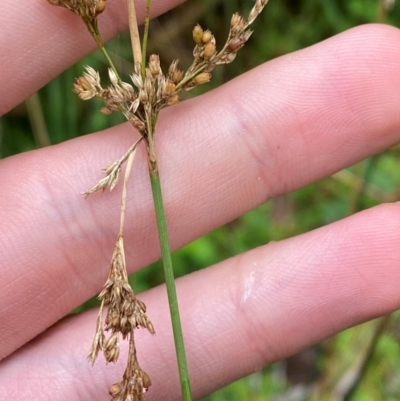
x,y
285,26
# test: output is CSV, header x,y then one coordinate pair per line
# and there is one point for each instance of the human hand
x,y
287,123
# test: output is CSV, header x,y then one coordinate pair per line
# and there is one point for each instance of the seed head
x,y
173,100
169,89
209,50
154,65
202,78
206,37
198,34
84,89
100,6
256,10
86,9
236,20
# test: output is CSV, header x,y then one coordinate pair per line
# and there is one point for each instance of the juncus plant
x,y
140,100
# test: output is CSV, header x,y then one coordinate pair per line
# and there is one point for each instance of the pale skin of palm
x,y
287,123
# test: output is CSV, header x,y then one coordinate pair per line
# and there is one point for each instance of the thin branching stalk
x,y
110,62
128,170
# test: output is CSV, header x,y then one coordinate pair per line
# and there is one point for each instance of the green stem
x,y
97,38
110,62
170,282
94,31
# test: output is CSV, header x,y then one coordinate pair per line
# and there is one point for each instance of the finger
x,y
238,316
39,41
304,116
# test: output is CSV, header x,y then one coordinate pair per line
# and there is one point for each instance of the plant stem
x,y
145,37
170,283
128,170
159,207
110,62
134,32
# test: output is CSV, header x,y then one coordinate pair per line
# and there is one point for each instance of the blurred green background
x,y
360,364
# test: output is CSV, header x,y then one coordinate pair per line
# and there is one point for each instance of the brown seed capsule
x,y
115,321
202,78
169,90
171,101
236,44
154,65
100,7
115,389
235,20
144,98
146,380
177,76
209,50
111,355
111,342
197,34
207,36
139,125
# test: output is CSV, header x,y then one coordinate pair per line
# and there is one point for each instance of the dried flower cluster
x,y
124,314
141,100
88,11
84,8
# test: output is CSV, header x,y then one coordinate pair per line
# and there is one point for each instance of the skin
x,y
286,124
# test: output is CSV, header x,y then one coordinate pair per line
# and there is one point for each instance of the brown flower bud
x,y
197,34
